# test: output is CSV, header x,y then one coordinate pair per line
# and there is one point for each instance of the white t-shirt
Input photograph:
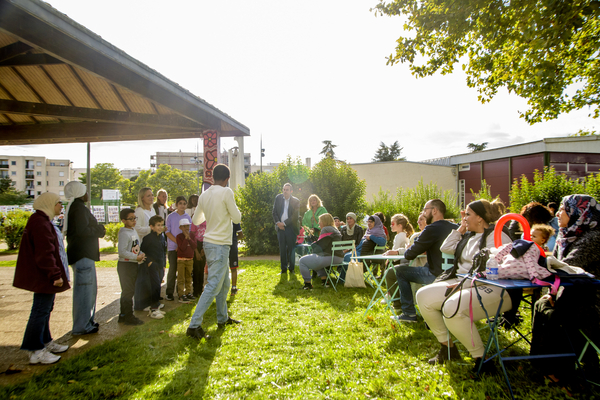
x,y
217,207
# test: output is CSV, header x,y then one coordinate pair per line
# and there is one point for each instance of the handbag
x,y
355,275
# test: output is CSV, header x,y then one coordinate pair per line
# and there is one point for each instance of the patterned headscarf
x,y
584,215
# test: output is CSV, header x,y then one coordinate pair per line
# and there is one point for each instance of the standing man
x,y
285,216
83,251
217,206
430,240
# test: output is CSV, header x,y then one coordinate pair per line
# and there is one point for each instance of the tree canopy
x,y
389,153
9,195
104,176
476,147
543,50
328,151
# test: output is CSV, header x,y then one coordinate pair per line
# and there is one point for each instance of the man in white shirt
x,y
217,207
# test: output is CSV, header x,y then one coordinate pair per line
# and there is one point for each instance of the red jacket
x,y
186,247
38,263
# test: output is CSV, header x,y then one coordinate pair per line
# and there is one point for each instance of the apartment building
x,y
36,175
190,161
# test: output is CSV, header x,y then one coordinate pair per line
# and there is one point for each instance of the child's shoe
x,y
190,296
234,290
156,314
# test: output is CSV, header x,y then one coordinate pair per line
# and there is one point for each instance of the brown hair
x,y
490,212
402,220
545,230
327,219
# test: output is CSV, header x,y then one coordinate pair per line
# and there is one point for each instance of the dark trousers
x,y
128,272
172,273
198,270
37,333
287,241
154,273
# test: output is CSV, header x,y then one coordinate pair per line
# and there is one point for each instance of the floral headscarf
x,y
584,215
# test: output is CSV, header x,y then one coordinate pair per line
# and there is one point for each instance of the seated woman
x,y
475,232
374,236
403,229
352,231
310,219
321,252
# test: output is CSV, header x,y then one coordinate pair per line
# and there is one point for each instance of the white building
x,y
36,175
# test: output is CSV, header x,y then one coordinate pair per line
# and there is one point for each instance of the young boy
x,y
233,256
154,247
172,230
540,234
186,246
127,266
217,206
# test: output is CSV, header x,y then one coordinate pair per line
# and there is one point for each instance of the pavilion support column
x,y
89,177
241,171
212,142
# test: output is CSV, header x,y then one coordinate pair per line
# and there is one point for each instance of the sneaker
x,y
230,321
384,301
197,333
130,320
442,356
184,300
234,290
170,298
146,309
190,296
156,314
161,305
54,347
308,286
404,318
42,356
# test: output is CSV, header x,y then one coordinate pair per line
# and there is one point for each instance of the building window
x,y
38,173
38,163
13,173
47,183
4,163
52,164
61,193
61,183
39,193
39,183
13,163
46,173
62,164
61,173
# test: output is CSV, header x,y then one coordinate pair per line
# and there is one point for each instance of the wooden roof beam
x,y
96,115
13,50
30,59
81,132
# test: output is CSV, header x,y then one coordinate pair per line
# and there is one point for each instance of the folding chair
x,y
369,276
331,270
587,344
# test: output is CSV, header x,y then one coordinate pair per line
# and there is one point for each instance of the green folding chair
x,y
331,270
369,276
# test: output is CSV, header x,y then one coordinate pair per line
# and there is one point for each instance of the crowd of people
x,y
570,232
198,236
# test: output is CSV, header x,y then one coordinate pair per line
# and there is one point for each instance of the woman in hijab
x,y
83,251
374,236
40,270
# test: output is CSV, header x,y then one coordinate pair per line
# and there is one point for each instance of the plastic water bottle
x,y
491,269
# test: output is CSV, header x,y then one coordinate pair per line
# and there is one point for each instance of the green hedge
x,y
13,227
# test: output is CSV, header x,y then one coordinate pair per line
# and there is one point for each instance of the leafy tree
x,y
104,176
176,182
474,147
328,151
585,132
338,186
391,153
13,227
9,195
535,48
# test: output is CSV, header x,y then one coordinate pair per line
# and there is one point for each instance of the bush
x,y
112,232
410,202
549,186
13,227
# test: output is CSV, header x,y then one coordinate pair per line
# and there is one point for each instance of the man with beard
x,y
429,241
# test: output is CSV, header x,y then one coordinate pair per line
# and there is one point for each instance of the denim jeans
x,y
37,333
314,262
85,290
128,272
217,259
407,274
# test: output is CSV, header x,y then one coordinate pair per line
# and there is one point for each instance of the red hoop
x,y
526,229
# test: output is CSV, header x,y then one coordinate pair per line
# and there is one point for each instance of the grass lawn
x,y
292,344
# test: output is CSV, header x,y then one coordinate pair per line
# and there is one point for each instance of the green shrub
x,y
484,193
112,232
13,227
549,186
410,202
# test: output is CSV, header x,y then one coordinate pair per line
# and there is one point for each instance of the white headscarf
x,y
46,203
73,190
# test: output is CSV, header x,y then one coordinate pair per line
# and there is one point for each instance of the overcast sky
x,y
297,73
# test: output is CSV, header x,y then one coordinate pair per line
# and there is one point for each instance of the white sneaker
x,y
156,314
147,308
54,347
383,301
42,356
161,305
